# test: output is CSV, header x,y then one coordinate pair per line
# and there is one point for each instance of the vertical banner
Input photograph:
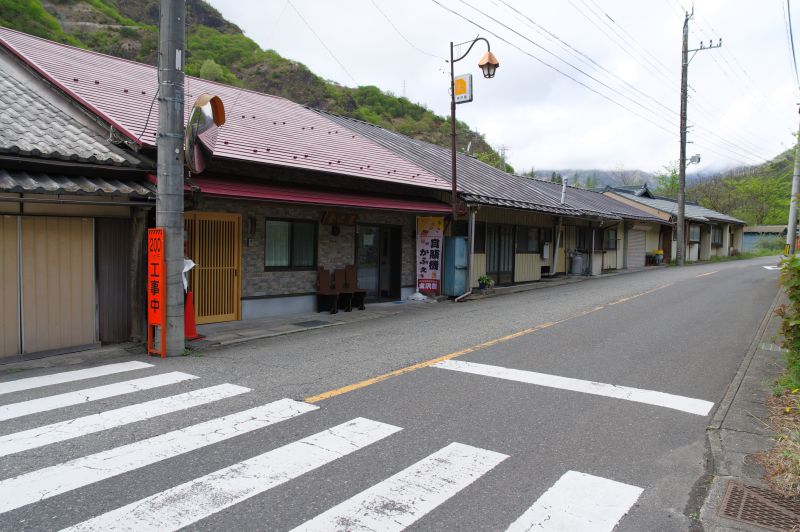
x,y
430,245
156,291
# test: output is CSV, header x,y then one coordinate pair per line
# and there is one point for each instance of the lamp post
x,y
488,64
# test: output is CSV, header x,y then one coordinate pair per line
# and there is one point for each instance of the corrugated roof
x,y
477,181
36,183
260,128
766,228
31,126
593,202
692,211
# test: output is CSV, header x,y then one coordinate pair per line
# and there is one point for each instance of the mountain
x,y
595,178
218,50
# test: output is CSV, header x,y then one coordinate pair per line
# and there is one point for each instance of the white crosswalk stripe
x,y
406,497
189,502
50,481
52,402
578,501
70,376
74,428
650,397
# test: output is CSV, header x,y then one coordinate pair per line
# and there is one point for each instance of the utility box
x,y
456,266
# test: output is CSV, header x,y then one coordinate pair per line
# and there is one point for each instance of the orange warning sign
x,y
156,290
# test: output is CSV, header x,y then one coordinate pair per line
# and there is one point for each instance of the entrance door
x,y
500,253
379,260
213,242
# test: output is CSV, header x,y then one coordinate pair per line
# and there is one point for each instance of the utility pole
x,y
169,194
791,230
681,238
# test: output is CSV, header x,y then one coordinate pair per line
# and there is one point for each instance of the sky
x,y
582,84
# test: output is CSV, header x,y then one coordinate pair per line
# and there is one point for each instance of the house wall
x,y
479,268
527,267
705,242
738,235
268,293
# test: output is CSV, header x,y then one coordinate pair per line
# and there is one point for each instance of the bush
x,y
790,326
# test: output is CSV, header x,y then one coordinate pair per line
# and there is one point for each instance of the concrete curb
x,y
735,432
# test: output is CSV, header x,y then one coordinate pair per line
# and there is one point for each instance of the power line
x,y
411,44
791,41
321,41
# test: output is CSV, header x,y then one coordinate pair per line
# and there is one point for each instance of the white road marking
x,y
404,498
772,267
578,501
69,376
650,397
187,503
34,406
74,428
50,481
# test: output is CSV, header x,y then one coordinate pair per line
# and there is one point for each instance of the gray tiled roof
x,y
595,203
478,182
36,183
693,211
31,126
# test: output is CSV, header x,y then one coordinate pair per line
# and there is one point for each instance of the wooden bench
x,y
359,294
345,293
327,297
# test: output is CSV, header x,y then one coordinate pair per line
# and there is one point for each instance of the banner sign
x,y
430,248
462,88
156,290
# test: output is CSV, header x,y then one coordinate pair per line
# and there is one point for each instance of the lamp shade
x,y
488,64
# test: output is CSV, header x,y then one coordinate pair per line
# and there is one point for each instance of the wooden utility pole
x,y
169,194
681,229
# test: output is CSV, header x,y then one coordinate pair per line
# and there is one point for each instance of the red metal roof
x,y
255,190
259,128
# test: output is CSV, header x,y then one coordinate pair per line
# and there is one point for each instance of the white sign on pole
x,y
462,88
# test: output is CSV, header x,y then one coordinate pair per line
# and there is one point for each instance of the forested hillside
x,y
219,51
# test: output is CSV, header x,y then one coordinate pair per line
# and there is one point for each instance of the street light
x,y
488,64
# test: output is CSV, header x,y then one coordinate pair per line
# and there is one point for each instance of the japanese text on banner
x,y
430,252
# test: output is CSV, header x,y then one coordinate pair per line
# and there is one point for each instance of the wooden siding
x,y
9,286
55,209
527,267
9,207
58,288
113,248
479,268
514,217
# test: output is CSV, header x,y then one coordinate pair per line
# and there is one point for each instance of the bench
x,y
327,297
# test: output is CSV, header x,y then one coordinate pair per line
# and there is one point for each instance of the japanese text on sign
x,y
156,277
430,245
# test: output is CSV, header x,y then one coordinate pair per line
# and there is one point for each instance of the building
x,y
708,233
756,237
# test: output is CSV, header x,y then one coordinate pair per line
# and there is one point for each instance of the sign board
x,y
156,291
430,252
786,249
462,88
339,218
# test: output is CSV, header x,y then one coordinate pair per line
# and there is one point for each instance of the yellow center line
x,y
476,347
707,273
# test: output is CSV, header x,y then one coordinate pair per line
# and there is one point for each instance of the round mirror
x,y
200,137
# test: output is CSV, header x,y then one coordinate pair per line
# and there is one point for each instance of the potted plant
x,y
484,282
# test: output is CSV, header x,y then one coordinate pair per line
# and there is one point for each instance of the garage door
x,y
636,248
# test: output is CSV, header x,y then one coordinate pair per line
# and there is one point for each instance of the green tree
x,y
211,71
667,180
591,182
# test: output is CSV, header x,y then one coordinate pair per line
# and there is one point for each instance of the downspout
x,y
555,248
471,255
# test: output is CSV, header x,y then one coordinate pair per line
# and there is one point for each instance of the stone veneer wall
x,y
332,251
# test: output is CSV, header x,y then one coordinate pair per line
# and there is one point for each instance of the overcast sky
x,y
742,95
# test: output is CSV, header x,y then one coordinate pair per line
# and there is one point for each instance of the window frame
x,y
527,249
716,230
291,267
699,231
610,244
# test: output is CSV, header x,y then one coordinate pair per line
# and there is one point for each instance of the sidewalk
x,y
738,431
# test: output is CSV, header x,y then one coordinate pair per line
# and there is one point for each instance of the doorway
x,y
379,260
500,253
213,242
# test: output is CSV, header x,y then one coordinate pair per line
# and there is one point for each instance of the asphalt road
x,y
432,447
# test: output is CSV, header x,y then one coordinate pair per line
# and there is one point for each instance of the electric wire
x,y
791,41
291,4
411,44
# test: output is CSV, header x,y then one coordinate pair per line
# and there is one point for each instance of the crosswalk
x,y
577,501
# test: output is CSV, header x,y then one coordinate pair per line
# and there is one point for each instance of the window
x,y
694,233
480,237
610,239
528,239
290,245
716,236
547,234
583,238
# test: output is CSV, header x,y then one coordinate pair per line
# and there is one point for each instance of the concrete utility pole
x,y
681,238
169,195
791,232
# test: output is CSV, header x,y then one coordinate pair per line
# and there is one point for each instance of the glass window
x,y
610,239
528,239
290,244
694,233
